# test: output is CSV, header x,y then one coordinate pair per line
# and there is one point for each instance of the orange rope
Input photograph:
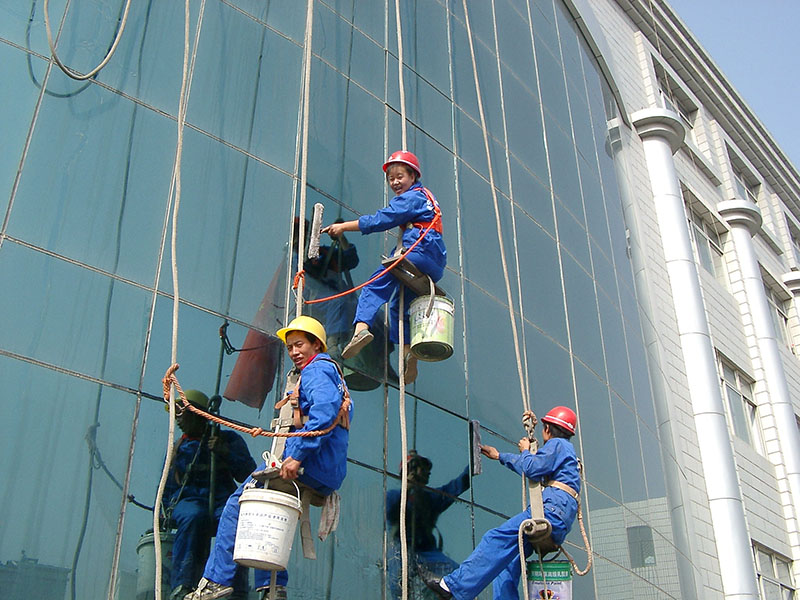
x,y
436,218
169,378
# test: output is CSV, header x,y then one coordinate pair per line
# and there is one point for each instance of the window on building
x,y
737,394
674,98
641,547
706,240
794,238
774,575
745,186
779,314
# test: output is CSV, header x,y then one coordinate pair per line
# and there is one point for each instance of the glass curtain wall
x,y
86,308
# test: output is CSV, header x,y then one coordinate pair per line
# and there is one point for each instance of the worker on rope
x,y
186,494
317,464
412,209
423,507
497,555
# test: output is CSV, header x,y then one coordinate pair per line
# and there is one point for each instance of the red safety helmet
x,y
563,417
407,158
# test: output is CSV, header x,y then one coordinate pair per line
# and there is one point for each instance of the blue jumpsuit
x,y
430,256
497,555
190,504
324,461
423,507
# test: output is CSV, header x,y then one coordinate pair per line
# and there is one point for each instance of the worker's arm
x,y
534,466
408,207
336,229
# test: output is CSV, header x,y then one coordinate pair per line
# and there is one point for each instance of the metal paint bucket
x,y
432,335
267,522
146,567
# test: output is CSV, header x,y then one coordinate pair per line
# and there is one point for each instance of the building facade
x,y
609,202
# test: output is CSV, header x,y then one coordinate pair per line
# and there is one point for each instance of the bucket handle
x,y
296,487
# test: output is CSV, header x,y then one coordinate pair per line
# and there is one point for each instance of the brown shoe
x,y
357,343
209,590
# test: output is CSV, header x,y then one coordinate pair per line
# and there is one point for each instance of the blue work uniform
x,y
323,458
423,508
497,555
430,256
187,492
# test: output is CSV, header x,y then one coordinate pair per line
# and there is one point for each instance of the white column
x,y
744,219
662,133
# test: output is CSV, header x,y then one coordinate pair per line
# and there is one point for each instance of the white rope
x,y
401,369
74,74
503,260
304,157
175,298
400,81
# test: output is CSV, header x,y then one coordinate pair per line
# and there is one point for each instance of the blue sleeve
x,y
392,506
451,489
321,387
406,208
240,463
533,466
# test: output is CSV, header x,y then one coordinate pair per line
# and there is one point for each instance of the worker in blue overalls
x,y
412,209
496,557
317,464
186,494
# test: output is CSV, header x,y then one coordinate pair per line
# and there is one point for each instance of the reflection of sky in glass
x,y
86,306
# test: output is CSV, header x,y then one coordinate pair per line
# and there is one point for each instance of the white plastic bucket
x,y
267,522
146,571
432,336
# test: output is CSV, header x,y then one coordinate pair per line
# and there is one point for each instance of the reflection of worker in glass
x,y
423,507
186,494
330,273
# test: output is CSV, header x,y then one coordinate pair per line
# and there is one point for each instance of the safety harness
x,y
298,418
437,212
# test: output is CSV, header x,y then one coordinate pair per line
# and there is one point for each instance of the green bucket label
x,y
550,581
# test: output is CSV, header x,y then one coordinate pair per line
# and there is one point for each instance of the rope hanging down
x,y
182,102
74,74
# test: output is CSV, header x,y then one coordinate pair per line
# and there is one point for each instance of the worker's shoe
x,y
434,584
357,343
280,592
209,590
433,581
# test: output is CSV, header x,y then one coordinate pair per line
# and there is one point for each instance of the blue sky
x,y
756,43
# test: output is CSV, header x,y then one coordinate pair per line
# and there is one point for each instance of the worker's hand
x,y
335,230
290,468
524,444
217,445
529,414
490,452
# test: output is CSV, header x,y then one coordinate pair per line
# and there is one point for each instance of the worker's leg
x,y
191,520
394,313
373,296
506,585
220,567
495,552
263,578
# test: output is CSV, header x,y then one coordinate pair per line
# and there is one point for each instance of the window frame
x,y
742,415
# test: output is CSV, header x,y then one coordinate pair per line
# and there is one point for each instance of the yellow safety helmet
x,y
195,397
307,325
